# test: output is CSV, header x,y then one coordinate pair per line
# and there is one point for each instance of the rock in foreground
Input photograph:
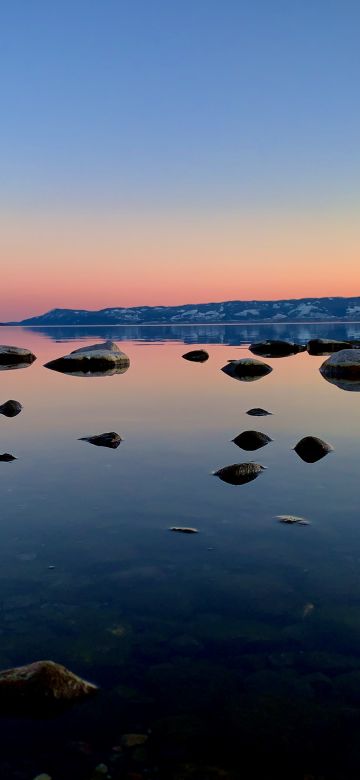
x,y
251,440
10,408
311,449
342,365
258,412
197,355
326,346
276,349
292,520
40,685
110,439
239,473
246,369
7,458
15,356
97,358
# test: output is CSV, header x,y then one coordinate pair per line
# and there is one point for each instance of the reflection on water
x,y
235,647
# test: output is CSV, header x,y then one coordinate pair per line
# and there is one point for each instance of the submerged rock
x,y
10,408
276,348
342,365
310,449
326,346
7,458
15,356
251,440
184,530
239,473
258,412
246,369
99,359
41,684
292,520
110,439
197,355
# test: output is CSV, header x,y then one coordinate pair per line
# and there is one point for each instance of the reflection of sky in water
x,y
100,517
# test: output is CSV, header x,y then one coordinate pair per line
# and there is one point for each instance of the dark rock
x,y
258,412
7,458
10,408
311,449
246,369
100,359
197,355
274,349
41,685
292,520
110,439
239,473
184,530
251,440
326,346
15,356
343,369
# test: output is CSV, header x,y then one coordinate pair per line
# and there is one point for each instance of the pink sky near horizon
x,y
95,261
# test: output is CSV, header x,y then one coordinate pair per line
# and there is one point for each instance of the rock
x,y
42,777
110,439
15,356
326,346
184,530
292,519
343,369
7,458
251,440
10,408
104,358
197,355
133,740
40,685
246,369
311,449
239,473
258,412
274,349
100,771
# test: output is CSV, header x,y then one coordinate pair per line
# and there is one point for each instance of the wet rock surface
x,y
276,349
196,355
105,358
311,449
184,529
326,346
251,440
6,457
246,369
292,520
239,473
41,684
10,408
257,411
12,356
110,439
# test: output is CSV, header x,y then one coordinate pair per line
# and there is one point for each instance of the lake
x,y
235,651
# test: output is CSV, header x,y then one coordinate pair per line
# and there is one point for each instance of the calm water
x,y
239,645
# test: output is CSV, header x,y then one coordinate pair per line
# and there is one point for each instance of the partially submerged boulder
x,y
311,449
7,458
184,530
15,357
10,408
197,355
41,685
111,439
246,369
292,520
276,349
104,358
258,412
326,346
251,440
239,473
343,369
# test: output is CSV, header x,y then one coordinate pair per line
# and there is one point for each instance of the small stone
x,y
251,440
292,520
7,458
197,356
110,439
258,412
133,740
10,408
239,473
184,530
311,449
246,369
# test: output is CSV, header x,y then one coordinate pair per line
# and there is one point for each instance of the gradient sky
x,y
159,152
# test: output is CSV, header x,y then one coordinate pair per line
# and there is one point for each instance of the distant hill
x,y
291,310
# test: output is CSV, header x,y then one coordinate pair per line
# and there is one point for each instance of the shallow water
x,y
238,644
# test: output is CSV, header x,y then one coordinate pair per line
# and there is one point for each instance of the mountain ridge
x,y
332,309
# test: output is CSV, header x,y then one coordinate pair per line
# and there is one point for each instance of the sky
x,y
175,152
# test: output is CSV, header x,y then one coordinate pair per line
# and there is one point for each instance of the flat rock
x,y
246,369
292,520
258,412
239,473
197,355
41,684
12,356
276,349
251,440
326,346
111,440
7,458
184,530
10,408
311,449
97,358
